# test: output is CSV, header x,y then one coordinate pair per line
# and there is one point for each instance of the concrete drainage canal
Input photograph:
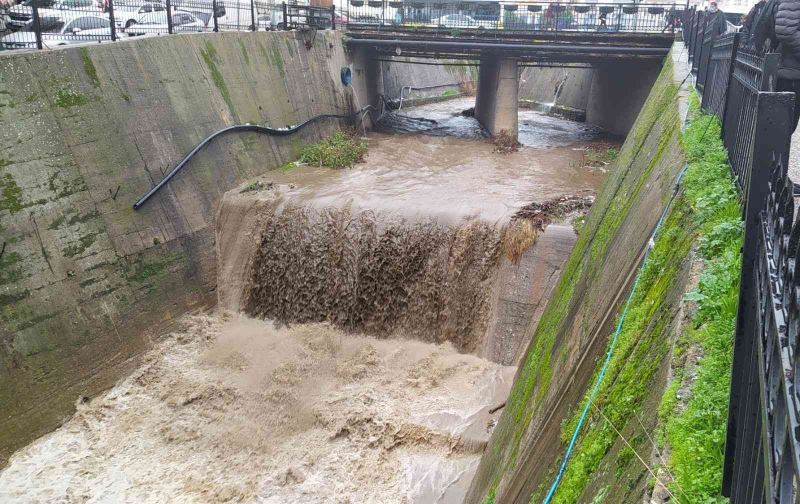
x,y
369,324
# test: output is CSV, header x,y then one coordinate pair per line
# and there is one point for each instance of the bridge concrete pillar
x,y
367,79
618,92
496,100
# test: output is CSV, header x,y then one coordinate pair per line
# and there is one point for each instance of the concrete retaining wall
x,y
86,131
523,455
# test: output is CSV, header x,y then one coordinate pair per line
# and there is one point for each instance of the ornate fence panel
x,y
697,39
720,67
709,37
762,464
752,74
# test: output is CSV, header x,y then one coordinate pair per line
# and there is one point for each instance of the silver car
x,y
59,31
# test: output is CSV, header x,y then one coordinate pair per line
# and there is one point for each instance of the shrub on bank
x,y
340,150
695,431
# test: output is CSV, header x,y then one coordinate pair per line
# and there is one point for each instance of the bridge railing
x,y
513,16
737,84
43,24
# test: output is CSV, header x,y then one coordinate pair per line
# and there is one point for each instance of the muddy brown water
x,y
412,242
455,175
408,290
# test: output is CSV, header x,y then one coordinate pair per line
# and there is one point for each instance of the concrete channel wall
x,y
526,447
84,279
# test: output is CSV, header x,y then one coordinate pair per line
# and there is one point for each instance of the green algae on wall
x,y
566,328
209,55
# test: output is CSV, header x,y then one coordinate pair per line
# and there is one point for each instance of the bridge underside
x,y
622,60
539,46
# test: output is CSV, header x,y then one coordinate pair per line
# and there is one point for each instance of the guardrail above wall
x,y
515,16
737,83
41,24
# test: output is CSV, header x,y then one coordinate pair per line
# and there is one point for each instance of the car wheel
x,y
281,26
130,23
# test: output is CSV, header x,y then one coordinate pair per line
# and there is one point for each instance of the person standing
x,y
750,21
716,19
778,28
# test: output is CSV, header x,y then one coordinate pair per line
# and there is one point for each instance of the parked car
x,y
61,30
156,22
455,21
128,13
22,14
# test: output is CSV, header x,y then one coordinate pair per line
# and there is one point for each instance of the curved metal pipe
x,y
241,127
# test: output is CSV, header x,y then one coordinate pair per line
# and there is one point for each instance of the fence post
x,y
169,16
734,52
285,17
214,14
111,19
333,17
770,72
254,21
773,131
37,26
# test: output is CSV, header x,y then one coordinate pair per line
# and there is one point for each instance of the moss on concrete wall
x,y
85,132
575,326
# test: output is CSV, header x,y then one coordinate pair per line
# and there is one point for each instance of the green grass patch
x,y
340,150
696,435
450,92
66,98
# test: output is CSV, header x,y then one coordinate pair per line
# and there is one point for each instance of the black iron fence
x,y
738,84
533,16
38,24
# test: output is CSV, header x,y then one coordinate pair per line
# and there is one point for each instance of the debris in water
x,y
504,142
542,214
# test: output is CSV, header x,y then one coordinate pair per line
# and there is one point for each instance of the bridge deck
x,y
537,46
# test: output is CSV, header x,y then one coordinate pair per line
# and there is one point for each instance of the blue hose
x,y
614,340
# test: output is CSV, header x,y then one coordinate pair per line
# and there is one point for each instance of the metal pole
x,y
169,17
333,17
253,15
37,27
214,14
111,19
285,17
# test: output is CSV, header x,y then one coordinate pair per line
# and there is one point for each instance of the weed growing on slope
x,y
706,211
340,150
696,435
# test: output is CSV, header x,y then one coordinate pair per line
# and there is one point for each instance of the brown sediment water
x,y
412,242
401,291
230,409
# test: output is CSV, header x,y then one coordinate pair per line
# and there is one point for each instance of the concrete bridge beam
x,y
367,79
496,100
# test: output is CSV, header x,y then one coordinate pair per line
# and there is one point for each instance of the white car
x,y
455,21
22,14
156,22
59,31
128,13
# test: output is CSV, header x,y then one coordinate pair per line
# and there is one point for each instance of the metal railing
x,y
763,434
38,24
513,16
